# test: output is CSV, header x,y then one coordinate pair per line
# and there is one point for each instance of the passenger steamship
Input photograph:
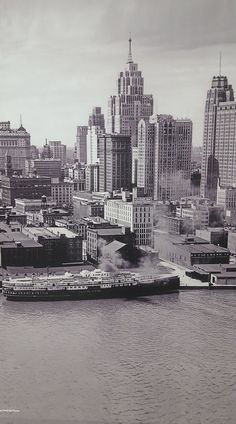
x,y
88,285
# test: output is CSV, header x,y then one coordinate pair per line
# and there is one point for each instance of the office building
x,y
171,154
92,177
81,143
16,143
130,104
92,144
183,134
226,197
218,137
225,143
62,193
19,187
136,214
58,151
48,168
134,166
114,153
145,162
96,119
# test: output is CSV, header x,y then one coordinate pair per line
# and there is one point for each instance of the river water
x,y
167,359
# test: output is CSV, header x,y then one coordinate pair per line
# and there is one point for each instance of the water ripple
x,y
166,359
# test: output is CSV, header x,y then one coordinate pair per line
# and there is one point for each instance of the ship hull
x,y
167,285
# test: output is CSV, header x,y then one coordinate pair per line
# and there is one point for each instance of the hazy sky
x,y
59,58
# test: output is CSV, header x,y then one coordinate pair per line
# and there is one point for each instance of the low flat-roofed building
x,y
69,223
188,251
46,216
60,244
203,272
10,215
94,222
16,249
217,236
85,205
33,205
225,276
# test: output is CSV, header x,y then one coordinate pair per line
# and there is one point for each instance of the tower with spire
x,y
130,104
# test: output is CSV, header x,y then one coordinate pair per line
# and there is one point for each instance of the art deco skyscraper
x,y
225,148
219,93
130,104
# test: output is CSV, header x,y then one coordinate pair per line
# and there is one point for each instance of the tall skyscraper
x,y
16,143
92,144
213,138
183,134
81,143
164,157
145,168
130,104
225,145
96,119
114,153
58,150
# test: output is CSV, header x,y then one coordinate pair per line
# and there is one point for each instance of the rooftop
x,y
49,232
106,231
39,232
22,243
114,246
34,201
63,231
95,220
191,244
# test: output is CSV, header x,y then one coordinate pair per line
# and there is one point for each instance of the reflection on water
x,y
166,359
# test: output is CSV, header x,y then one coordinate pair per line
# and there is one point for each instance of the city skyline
x,y
54,78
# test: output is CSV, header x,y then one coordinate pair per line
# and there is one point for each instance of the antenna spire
x,y
20,120
220,64
130,60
